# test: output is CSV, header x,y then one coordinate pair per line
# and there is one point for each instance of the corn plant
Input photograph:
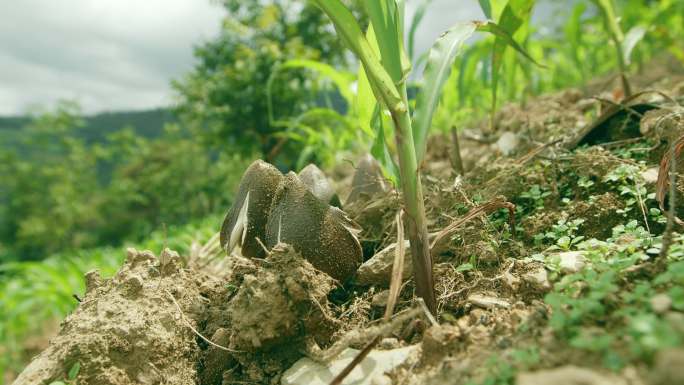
x,y
624,44
514,17
386,67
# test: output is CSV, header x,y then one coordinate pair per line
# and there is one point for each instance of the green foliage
x,y
224,97
599,311
59,193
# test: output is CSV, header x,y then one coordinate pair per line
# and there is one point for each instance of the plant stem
x,y
626,89
414,205
456,160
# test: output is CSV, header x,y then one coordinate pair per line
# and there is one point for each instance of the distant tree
x,y
224,97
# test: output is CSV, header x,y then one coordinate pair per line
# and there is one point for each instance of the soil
x,y
152,322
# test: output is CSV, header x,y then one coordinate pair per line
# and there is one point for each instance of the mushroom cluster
x,y
271,208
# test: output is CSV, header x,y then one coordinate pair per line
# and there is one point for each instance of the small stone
x,y
487,302
568,375
378,269
93,280
438,341
169,261
650,176
380,299
570,261
131,253
388,343
537,278
511,281
369,372
381,380
661,303
133,285
507,143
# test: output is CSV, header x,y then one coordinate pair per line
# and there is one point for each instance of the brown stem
x,y
456,160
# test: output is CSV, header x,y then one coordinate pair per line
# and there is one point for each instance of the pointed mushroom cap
x,y
314,229
319,185
368,180
257,188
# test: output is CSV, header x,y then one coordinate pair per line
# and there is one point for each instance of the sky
x,y
113,55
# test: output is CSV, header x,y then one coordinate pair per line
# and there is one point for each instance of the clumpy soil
x,y
174,320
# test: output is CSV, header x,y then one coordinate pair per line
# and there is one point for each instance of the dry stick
x,y
667,236
187,323
485,208
395,288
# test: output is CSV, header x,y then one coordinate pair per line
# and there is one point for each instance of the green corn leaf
x,y
610,18
365,101
632,38
386,17
437,69
486,8
73,372
380,150
513,16
415,22
349,31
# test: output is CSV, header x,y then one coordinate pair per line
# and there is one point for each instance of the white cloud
x,y
107,55
122,54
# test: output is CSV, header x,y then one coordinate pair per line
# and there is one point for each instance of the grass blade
x,y
350,32
514,15
486,8
437,69
415,22
632,38
380,150
386,19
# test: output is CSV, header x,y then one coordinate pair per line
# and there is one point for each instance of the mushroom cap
x,y
368,180
319,232
319,185
257,186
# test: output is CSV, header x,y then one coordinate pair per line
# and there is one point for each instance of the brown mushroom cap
x,y
319,185
258,184
313,228
368,180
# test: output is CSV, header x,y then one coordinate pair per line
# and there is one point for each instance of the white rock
x,y
568,375
487,302
570,261
661,303
650,176
537,278
371,371
507,143
378,269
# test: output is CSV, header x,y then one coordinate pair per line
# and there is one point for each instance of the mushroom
x,y
368,180
321,233
319,185
246,220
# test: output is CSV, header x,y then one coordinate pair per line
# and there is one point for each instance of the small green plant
x,y
600,294
536,194
562,234
386,67
71,376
